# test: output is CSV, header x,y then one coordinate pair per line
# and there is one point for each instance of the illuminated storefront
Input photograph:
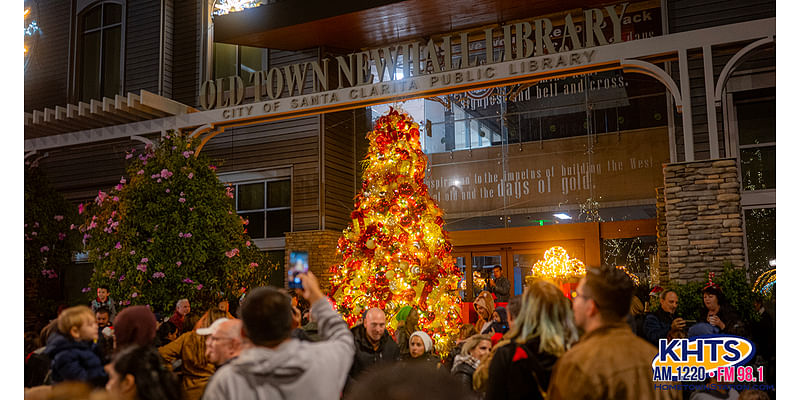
x,y
558,135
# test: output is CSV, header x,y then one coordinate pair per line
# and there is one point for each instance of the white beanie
x,y
426,340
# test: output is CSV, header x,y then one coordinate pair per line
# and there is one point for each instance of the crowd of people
x,y
294,345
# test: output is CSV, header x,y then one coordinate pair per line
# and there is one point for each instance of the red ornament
x,y
405,189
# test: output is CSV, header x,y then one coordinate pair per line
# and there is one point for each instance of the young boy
x,y
72,348
104,300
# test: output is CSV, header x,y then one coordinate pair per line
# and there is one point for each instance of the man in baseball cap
x,y
224,342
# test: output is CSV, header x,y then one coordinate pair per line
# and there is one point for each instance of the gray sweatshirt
x,y
295,369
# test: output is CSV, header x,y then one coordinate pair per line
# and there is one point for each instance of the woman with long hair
x,y
191,349
542,333
138,373
473,353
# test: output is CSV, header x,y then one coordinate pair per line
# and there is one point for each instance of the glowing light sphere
x,y
557,266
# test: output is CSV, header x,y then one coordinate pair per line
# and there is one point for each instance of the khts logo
x,y
693,360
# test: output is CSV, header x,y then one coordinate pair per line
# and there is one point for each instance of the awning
x,y
102,113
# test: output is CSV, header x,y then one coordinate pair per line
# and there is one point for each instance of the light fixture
x,y
562,216
772,263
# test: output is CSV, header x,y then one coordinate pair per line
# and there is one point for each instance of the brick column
x,y
704,218
321,248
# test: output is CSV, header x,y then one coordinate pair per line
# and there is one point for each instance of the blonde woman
x,y
473,352
542,333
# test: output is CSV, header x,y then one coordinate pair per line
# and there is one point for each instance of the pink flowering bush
x,y
173,233
50,238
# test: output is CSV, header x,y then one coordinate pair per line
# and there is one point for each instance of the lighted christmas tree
x,y
395,252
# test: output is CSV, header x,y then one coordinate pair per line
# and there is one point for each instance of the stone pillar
x,y
703,218
321,248
661,273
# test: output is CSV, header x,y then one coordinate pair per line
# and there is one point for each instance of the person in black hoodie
x,y
72,349
374,345
542,333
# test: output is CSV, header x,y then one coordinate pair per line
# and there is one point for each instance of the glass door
x,y
482,266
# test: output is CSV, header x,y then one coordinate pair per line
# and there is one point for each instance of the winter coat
x,y
519,371
463,368
293,370
428,360
196,369
733,324
74,361
501,289
37,365
609,362
656,325
366,356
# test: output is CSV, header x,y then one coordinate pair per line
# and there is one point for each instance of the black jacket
x,y
366,356
74,361
463,372
512,376
656,325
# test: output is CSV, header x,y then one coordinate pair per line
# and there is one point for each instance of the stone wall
x,y
321,248
661,271
704,218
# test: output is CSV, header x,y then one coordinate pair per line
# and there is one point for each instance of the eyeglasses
x,y
576,294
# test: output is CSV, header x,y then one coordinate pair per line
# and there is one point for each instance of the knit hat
x,y
403,313
426,340
134,325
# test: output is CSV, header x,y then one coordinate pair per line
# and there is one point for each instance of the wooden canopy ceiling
x,y
297,25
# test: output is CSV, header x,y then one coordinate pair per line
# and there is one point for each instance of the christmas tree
x,y
395,252
170,231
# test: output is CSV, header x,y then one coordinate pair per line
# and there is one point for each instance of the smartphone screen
x,y
298,263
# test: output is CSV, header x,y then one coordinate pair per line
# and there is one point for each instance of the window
x,y
267,207
752,137
230,59
100,51
757,154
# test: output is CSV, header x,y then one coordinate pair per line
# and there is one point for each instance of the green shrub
x,y
734,285
50,240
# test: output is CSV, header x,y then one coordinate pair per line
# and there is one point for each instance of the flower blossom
x,y
191,175
165,173
80,208
253,264
44,248
200,286
86,289
232,253
178,263
133,252
159,275
134,294
187,280
140,172
142,267
58,217
144,260
182,200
